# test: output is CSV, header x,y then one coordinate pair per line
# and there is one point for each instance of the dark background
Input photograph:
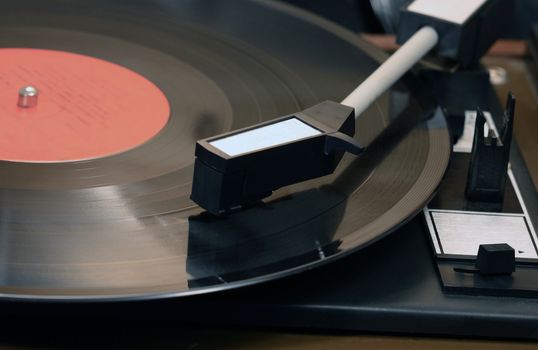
x,y
381,16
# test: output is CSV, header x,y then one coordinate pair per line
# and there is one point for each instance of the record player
x,y
430,230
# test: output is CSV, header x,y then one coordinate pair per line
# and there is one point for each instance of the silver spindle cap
x,y
28,97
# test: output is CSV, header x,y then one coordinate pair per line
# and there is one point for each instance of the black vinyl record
x,y
123,227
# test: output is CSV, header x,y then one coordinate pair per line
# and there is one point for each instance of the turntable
x,y
103,105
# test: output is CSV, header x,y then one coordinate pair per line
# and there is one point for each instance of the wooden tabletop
x,y
174,336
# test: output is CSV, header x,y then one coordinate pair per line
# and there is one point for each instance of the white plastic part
x,y
455,11
266,136
360,99
461,233
392,70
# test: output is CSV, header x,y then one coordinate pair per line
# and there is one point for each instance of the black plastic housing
x,y
466,42
495,259
487,177
222,182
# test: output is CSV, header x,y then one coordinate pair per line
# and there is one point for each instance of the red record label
x,y
86,107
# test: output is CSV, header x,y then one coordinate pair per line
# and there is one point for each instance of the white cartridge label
x,y
270,135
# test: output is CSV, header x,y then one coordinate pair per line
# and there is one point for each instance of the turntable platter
x,y
122,227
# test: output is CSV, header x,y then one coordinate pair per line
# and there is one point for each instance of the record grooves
x,y
122,227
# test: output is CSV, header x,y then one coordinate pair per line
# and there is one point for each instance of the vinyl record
x,y
111,219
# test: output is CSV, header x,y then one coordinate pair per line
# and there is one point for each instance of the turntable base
x,y
391,287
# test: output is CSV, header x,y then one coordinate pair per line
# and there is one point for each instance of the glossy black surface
x,y
122,227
